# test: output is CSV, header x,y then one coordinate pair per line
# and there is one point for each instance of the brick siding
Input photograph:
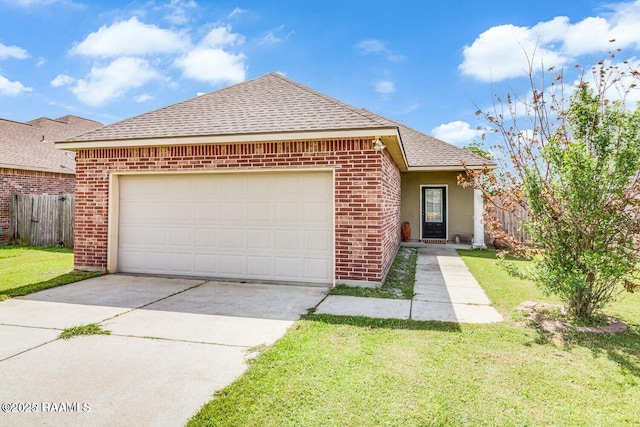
x,y
18,181
367,193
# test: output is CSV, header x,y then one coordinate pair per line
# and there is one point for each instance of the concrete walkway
x,y
444,291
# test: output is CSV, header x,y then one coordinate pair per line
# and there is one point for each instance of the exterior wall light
x,y
378,145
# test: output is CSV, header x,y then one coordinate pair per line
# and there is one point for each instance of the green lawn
x,y
330,370
25,269
397,284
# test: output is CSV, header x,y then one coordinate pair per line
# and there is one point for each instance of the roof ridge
x,y
324,96
15,121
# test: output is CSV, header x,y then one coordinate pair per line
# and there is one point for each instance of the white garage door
x,y
273,226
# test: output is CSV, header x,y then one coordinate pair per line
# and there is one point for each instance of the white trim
x,y
448,168
478,223
114,204
230,139
446,206
65,171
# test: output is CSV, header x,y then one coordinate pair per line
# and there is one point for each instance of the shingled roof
x,y
30,145
274,104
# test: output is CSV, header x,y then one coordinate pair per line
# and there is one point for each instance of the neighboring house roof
x,y
273,104
31,146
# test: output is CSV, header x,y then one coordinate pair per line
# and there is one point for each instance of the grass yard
x,y
330,370
397,284
25,269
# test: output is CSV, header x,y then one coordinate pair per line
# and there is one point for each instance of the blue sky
x,y
425,63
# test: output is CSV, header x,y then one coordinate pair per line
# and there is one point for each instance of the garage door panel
x,y
317,268
259,266
206,238
182,237
316,213
232,238
273,226
155,236
206,264
181,263
287,239
259,239
288,268
317,240
156,262
206,212
287,212
232,265
258,212
232,212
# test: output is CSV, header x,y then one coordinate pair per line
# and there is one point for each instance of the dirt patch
x,y
550,320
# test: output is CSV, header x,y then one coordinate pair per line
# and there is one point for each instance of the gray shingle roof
x,y
274,104
267,104
423,150
30,145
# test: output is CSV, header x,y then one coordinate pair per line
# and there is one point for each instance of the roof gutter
x,y
37,169
229,139
459,168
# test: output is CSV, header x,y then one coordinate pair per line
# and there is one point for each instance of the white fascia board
x,y
230,139
37,169
448,168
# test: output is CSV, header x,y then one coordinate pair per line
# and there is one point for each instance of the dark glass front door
x,y
434,215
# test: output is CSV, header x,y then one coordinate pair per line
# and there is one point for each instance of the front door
x,y
434,215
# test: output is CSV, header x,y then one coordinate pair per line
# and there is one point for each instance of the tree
x,y
476,148
575,168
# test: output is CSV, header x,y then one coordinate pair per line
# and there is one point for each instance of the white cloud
x,y
237,11
456,132
130,37
143,98
107,83
12,88
62,80
178,11
384,86
501,51
213,65
12,52
370,46
221,36
376,47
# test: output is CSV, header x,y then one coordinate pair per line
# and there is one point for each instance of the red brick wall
x,y
17,181
367,224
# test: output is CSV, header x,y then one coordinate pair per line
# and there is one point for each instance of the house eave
x,y
449,168
229,139
37,169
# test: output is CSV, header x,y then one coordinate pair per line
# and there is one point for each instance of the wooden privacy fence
x,y
510,222
42,220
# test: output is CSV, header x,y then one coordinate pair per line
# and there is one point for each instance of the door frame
x,y
446,207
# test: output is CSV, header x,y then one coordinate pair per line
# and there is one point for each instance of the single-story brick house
x,y
30,163
264,180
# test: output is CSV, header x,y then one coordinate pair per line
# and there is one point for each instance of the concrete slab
x,y
16,339
43,314
259,301
452,312
459,295
124,381
88,301
381,308
203,328
115,290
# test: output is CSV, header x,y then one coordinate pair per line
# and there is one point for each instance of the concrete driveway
x,y
173,343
